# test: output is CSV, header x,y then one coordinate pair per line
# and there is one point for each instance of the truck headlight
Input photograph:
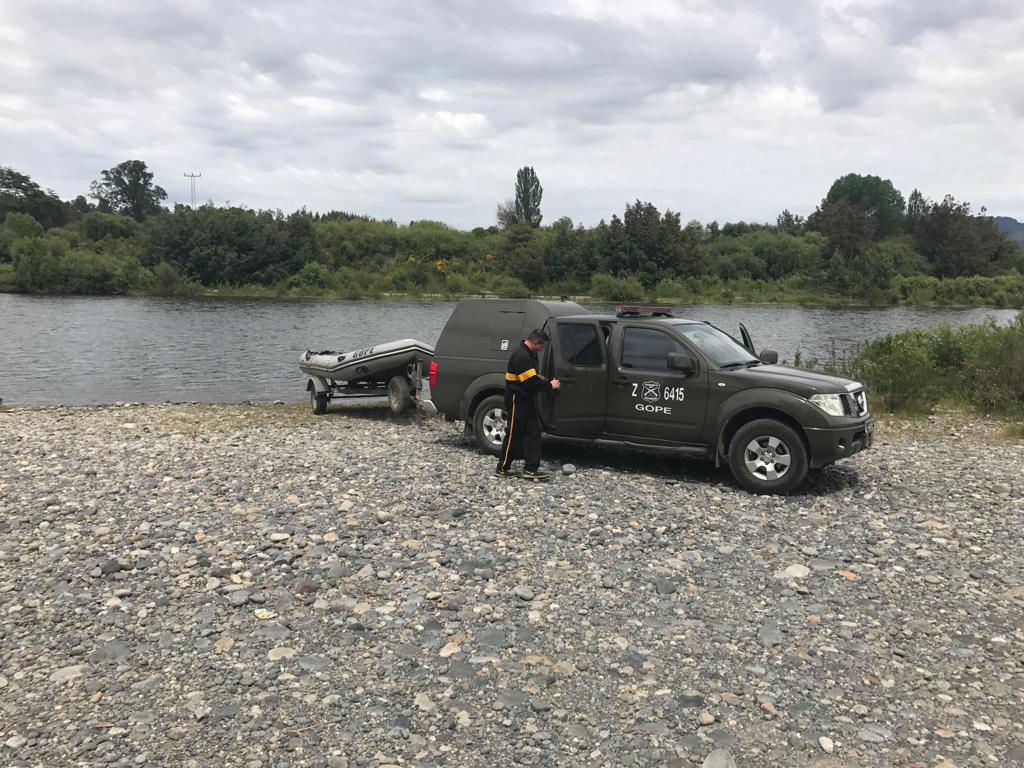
x,y
830,404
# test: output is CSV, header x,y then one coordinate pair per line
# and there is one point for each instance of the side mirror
x,y
769,356
683,362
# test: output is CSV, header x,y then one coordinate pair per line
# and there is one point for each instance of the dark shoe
x,y
504,472
536,474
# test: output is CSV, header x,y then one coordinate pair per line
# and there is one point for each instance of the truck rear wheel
x,y
398,394
489,424
768,456
318,402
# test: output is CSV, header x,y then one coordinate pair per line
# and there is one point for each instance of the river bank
x,y
761,295
255,586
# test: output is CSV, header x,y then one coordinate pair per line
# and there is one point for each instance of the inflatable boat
x,y
373,362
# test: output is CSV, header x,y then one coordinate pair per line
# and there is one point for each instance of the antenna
x,y
192,177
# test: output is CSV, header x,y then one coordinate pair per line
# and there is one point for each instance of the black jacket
x,y
521,377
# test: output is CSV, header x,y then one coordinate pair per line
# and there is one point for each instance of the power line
x,y
192,177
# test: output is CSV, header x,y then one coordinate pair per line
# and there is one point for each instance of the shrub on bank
x,y
992,375
609,288
1001,291
979,365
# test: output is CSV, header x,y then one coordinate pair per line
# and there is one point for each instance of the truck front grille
x,y
854,403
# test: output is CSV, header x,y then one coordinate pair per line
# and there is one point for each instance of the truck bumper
x,y
423,400
829,444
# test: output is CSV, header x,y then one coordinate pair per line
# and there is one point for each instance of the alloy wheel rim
x,y
767,458
494,426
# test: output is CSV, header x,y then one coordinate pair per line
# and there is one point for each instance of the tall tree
x,y
522,254
876,197
528,195
505,215
19,194
958,243
128,189
789,223
917,209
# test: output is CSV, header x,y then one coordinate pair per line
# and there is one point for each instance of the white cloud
x,y
426,110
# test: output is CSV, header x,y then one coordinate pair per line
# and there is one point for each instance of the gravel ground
x,y
253,586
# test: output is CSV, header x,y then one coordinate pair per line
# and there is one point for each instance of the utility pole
x,y
192,177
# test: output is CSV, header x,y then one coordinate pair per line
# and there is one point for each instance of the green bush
x,y
992,375
97,226
609,288
458,285
6,277
166,280
673,290
37,265
19,225
91,273
312,277
506,285
901,370
980,365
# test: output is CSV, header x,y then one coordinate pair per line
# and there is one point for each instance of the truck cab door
x,y
578,358
747,341
647,401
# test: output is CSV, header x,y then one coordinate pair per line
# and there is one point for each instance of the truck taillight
x,y
433,373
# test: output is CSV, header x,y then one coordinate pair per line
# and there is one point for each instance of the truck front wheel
x,y
489,424
767,456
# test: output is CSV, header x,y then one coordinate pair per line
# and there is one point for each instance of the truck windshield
x,y
718,347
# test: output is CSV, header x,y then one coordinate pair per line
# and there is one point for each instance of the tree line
x,y
863,243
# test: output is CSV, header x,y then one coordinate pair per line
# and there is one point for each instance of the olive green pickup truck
x,y
644,378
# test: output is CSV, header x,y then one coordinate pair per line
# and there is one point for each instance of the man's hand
x,y
556,384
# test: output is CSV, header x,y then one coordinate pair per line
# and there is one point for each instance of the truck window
x,y
579,345
717,346
647,349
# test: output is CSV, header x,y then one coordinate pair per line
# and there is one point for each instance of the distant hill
x,y
1014,229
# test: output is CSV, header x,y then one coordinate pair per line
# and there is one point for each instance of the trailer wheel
x,y
489,424
318,401
398,394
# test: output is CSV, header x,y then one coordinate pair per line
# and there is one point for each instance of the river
x,y
78,350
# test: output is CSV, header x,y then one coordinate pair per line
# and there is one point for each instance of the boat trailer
x,y
394,370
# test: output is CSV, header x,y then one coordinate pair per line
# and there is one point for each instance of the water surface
x,y
85,350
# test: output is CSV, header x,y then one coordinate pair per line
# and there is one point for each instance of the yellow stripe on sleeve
x,y
528,374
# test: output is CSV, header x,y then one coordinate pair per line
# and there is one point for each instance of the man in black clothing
x,y
522,383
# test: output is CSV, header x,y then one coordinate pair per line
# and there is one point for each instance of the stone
x,y
719,758
66,674
523,593
795,571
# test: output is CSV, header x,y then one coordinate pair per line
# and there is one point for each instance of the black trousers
x,y
522,433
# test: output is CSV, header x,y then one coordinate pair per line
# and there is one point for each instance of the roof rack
x,y
641,310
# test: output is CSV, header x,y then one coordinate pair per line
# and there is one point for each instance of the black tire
x,y
318,401
768,456
398,394
489,424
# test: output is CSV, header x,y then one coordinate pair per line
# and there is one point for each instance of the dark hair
x,y
537,336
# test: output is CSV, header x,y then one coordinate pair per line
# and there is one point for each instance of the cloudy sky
x,y
412,109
